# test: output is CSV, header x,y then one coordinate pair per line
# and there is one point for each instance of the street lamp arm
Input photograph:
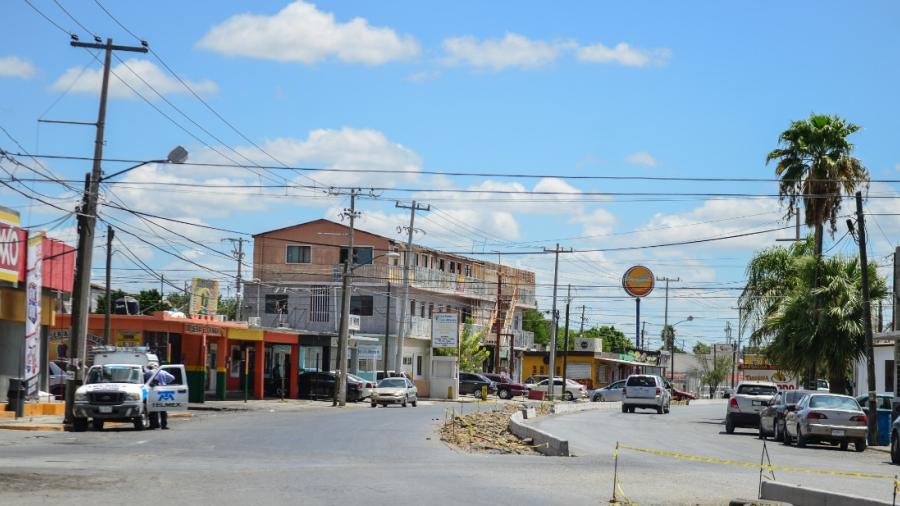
x,y
129,169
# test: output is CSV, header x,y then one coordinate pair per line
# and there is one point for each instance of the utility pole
x,y
669,333
387,330
566,341
401,331
110,234
643,336
554,326
497,321
87,220
867,317
340,387
239,254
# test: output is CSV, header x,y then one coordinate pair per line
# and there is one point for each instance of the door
x,y
212,352
170,397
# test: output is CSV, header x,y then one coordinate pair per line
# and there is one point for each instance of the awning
x,y
624,362
363,339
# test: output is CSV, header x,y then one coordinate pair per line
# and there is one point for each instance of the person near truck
x,y
159,419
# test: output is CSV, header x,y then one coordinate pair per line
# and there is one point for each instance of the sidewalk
x,y
54,423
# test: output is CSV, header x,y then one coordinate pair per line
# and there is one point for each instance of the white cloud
x,y
641,158
622,54
423,76
90,81
13,66
302,33
513,50
598,221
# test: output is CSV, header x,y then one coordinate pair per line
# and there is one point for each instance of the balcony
x,y
424,279
418,327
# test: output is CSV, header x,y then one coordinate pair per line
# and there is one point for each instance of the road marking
x,y
765,467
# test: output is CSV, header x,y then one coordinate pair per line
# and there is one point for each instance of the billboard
x,y
204,296
638,281
445,330
33,311
12,246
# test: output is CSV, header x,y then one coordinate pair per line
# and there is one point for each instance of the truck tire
x,y
895,449
624,408
79,424
143,422
97,424
503,393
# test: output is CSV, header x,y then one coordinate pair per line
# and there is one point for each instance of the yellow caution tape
x,y
768,467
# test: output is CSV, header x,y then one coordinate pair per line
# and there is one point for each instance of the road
x,y
389,456
699,430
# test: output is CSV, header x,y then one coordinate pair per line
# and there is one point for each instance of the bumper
x,y
744,419
387,400
643,402
115,412
828,432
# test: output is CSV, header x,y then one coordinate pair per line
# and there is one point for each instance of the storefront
x,y
593,369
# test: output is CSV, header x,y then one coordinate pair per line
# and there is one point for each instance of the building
x,y
298,272
592,368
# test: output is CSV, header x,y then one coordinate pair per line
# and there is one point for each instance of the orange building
x,y
221,358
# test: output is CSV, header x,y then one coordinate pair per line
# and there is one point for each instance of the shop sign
x,y
204,296
193,328
12,246
129,338
783,380
369,351
638,281
33,311
445,330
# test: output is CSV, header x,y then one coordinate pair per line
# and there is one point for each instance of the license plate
x,y
757,403
105,409
837,433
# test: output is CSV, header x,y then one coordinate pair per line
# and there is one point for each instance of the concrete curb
x,y
543,442
802,496
23,426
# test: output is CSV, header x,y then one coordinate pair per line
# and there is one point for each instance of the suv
x,y
748,401
320,384
506,389
471,383
646,391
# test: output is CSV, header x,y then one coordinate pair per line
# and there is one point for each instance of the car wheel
x,y
568,396
668,408
895,448
503,394
801,439
777,434
660,410
624,408
786,437
384,405
80,424
415,401
404,402
729,425
844,445
860,444
374,405
596,398
97,424
631,409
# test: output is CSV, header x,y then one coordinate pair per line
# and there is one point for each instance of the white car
x,y
611,392
574,390
366,387
748,401
395,391
646,391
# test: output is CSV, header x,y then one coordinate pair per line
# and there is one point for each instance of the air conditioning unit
x,y
254,321
220,317
589,344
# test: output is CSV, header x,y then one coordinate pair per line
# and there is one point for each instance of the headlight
x,y
132,396
80,396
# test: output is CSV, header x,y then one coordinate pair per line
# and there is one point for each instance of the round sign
x,y
638,281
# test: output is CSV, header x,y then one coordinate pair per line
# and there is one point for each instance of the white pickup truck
x,y
115,390
747,402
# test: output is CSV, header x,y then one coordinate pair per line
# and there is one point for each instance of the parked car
x,y
823,386
895,441
365,386
397,390
471,383
609,393
884,401
506,388
380,375
646,391
827,417
533,380
748,400
772,416
573,390
56,383
320,384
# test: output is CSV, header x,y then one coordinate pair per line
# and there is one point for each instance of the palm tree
x,y
815,166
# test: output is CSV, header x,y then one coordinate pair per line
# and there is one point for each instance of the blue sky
x,y
697,89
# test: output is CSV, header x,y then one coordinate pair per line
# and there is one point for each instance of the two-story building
x,y
297,284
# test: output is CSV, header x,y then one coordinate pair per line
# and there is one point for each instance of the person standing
x,y
158,419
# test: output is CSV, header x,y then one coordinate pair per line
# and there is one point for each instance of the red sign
x,y
12,249
638,281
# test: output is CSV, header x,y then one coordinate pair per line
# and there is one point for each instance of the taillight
x,y
624,391
658,391
816,416
732,403
863,419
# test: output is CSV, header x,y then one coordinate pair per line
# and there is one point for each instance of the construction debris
x,y
485,432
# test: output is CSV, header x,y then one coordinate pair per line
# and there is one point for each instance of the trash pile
x,y
484,431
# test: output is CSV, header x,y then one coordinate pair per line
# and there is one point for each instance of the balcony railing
x,y
418,327
423,279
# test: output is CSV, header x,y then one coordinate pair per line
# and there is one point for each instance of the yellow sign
x,y
245,334
638,281
129,338
204,296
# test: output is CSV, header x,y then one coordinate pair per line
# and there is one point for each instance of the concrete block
x,y
804,496
528,413
544,442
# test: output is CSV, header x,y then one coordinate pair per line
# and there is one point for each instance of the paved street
x,y
699,430
386,456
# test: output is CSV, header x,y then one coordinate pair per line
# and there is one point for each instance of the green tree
x,y
227,307
178,301
471,354
614,341
150,300
114,295
534,321
713,372
701,349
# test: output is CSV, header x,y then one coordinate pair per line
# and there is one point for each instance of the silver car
x,y
827,417
609,393
395,391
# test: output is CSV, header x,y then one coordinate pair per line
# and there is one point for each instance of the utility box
x,y
444,381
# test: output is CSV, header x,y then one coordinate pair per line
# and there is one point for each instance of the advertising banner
x,y
369,351
12,246
445,330
204,296
33,312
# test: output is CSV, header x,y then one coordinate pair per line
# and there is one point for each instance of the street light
x,y
340,386
670,334
177,155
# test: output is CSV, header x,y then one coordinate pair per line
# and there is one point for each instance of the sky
x,y
636,89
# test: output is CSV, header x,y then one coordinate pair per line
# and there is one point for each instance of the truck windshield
x,y
114,374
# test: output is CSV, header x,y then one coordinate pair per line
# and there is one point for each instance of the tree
x,y
227,307
114,295
667,336
177,301
471,354
713,372
150,301
614,341
534,321
701,349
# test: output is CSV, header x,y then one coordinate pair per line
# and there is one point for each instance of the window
x,y
430,310
276,303
361,305
412,307
318,304
888,375
362,255
298,254
468,271
757,390
419,365
452,267
441,264
407,360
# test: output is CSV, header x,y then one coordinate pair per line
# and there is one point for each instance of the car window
x,y
392,383
618,384
641,381
757,390
793,397
114,374
833,402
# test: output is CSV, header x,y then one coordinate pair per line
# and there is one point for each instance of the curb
x,y
544,442
45,428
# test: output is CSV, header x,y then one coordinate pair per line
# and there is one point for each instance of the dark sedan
x,y
471,383
319,385
772,416
506,388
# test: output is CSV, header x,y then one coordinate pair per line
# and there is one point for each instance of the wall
x,y
861,383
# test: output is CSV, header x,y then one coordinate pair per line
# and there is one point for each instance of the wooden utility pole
x,y
404,303
555,323
239,255
87,220
669,334
340,387
867,317
110,234
566,342
497,325
387,330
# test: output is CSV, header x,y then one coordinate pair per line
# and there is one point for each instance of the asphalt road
x,y
391,456
699,430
